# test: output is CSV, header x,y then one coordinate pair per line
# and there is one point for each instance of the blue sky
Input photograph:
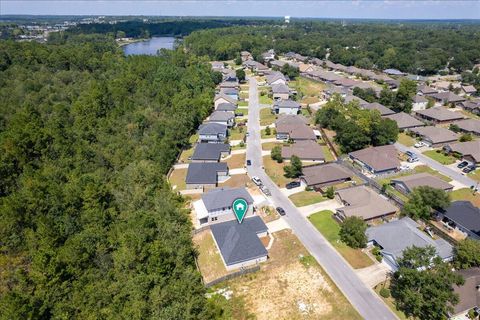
x,y
441,9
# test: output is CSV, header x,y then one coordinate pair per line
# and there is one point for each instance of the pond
x,y
149,47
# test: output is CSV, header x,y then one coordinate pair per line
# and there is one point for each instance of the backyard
x,y
327,226
438,156
275,171
209,260
290,285
306,198
177,179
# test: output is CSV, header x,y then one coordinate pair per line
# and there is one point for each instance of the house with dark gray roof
x,y
286,107
206,175
280,91
426,90
275,78
223,98
463,216
323,175
239,243
406,184
306,150
215,206
210,152
212,132
472,106
405,121
468,294
363,202
351,98
439,115
469,126
394,237
226,107
294,127
377,160
231,92
222,117
448,97
435,136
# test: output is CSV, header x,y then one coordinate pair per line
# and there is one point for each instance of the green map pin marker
x,y
240,208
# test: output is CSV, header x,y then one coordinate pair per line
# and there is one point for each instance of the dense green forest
x,y
417,48
89,228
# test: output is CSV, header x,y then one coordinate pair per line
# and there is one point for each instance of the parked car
x,y
257,181
462,164
418,145
412,159
238,114
280,211
468,169
247,134
249,162
265,191
410,154
293,184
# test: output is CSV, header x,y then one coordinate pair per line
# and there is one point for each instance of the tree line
x,y
88,225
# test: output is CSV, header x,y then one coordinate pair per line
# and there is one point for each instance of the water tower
x,y
287,19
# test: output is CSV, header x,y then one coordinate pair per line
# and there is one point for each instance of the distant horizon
x,y
355,9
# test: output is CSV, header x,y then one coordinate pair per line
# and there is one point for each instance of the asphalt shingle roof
x,y
220,198
314,175
204,173
423,179
436,134
405,120
210,151
238,242
212,128
465,214
378,158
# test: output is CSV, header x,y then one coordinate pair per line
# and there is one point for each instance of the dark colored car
x,y
280,211
249,162
468,169
292,184
462,164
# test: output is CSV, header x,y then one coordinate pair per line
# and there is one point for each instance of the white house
x,y
286,107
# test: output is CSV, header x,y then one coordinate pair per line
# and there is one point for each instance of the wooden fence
x,y
233,275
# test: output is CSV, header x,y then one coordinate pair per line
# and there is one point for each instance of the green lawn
x,y
307,87
193,138
328,154
186,154
327,226
243,95
439,157
405,139
237,133
267,117
239,147
306,198
417,169
466,194
270,145
265,136
265,99
243,103
475,175
242,110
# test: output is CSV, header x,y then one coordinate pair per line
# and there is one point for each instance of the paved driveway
x,y
331,205
368,304
374,274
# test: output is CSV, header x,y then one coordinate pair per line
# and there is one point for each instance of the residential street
x,y
438,166
368,304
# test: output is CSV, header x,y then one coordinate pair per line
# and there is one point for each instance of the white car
x,y
257,181
418,145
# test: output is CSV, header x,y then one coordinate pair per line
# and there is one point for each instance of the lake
x,y
149,47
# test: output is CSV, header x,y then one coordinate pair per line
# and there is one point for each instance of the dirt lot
x,y
290,285
236,181
236,161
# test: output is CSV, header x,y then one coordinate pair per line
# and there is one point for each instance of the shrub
x,y
384,292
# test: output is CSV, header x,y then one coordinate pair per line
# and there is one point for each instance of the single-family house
x,y
226,107
469,126
275,78
215,206
426,90
212,133
435,136
245,55
419,102
351,98
280,91
294,127
439,115
363,202
468,90
416,77
468,294
210,152
206,175
222,117
404,120
277,64
229,84
472,106
223,98
269,55
384,111
406,184
323,175
469,151
303,67
217,65
377,160
286,107
306,150
447,97
239,243
231,92
394,237
393,72
463,216
445,85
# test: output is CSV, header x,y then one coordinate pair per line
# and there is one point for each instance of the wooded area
x,y
90,228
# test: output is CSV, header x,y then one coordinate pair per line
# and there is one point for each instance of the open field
x,y
466,194
275,171
307,87
439,157
177,178
405,139
267,117
236,161
291,285
306,198
327,226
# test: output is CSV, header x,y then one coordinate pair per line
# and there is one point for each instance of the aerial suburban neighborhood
x,y
237,167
